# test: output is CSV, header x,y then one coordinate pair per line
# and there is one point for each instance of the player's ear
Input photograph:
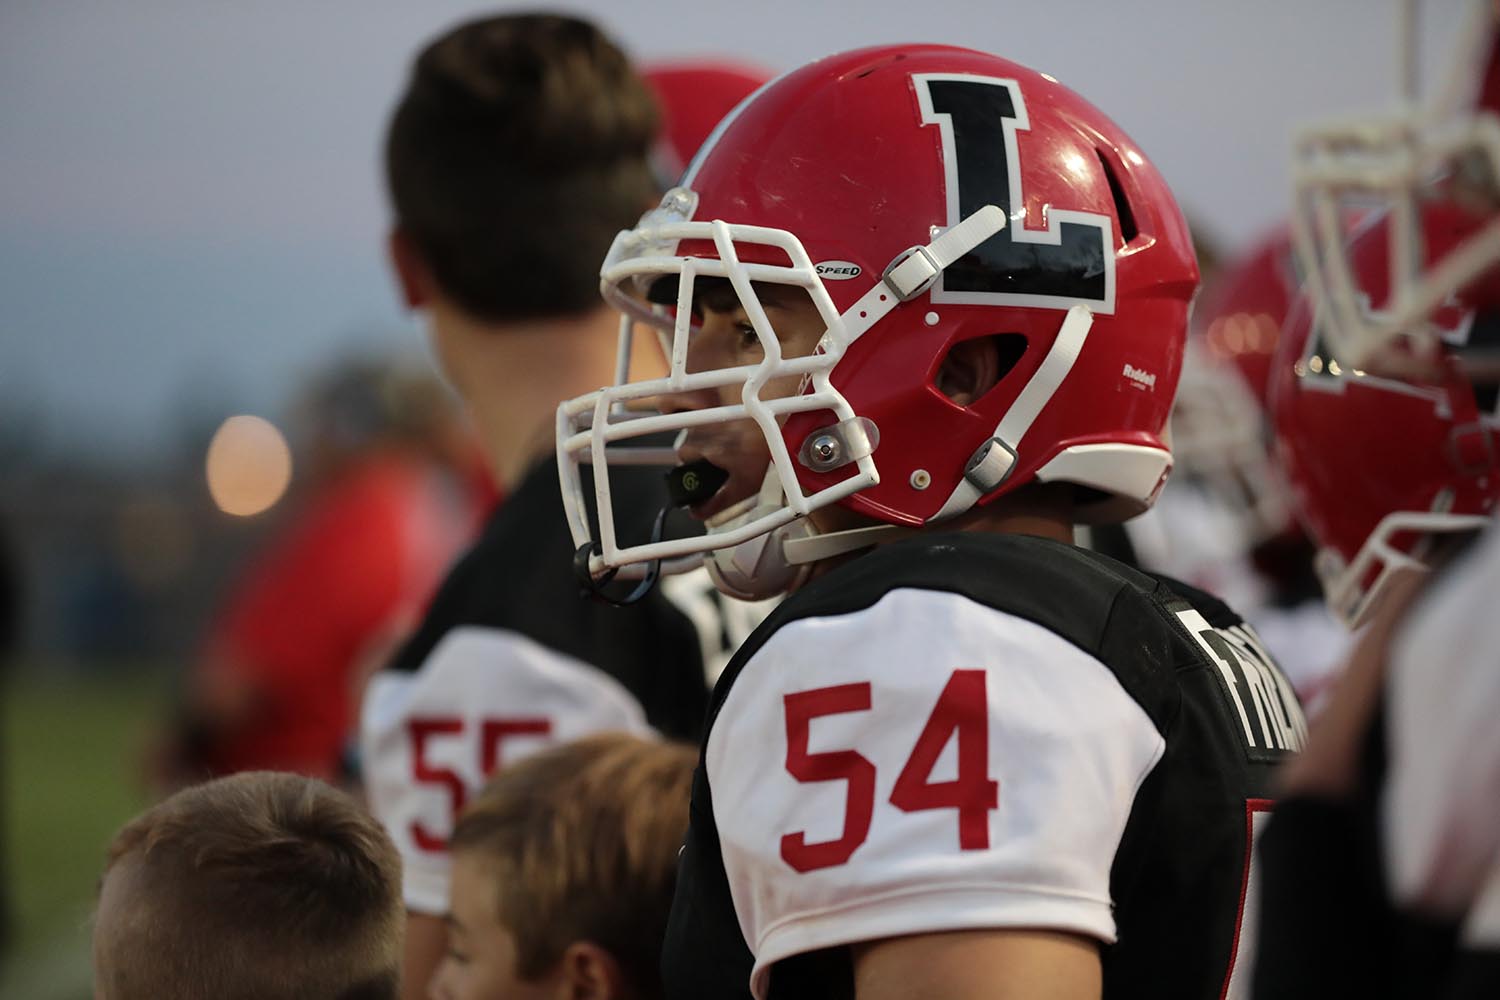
x,y
589,972
970,370
411,273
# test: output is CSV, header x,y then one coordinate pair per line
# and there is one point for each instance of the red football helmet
x,y
1380,465
1413,166
1220,433
923,196
693,98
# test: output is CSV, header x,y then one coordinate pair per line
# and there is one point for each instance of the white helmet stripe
x,y
1028,405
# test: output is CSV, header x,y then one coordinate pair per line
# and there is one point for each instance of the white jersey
x,y
510,659
483,698
1442,798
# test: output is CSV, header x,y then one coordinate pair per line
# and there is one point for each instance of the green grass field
x,y
71,776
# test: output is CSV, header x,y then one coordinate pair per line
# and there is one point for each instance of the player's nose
x,y
688,401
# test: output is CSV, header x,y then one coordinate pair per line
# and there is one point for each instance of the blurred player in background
x,y
388,494
1385,408
563,870
520,146
258,886
1224,497
964,758
1394,476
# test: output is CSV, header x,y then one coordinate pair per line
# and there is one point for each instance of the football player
x,y
521,144
1393,477
1385,406
924,310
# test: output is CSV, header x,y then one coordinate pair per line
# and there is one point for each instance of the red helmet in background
x,y
693,97
923,196
1220,427
1380,466
1420,168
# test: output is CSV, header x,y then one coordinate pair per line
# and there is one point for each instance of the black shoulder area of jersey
x,y
1214,610
1112,611
519,577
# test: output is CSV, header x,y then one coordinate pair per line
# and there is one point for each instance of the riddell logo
x,y
837,270
1142,378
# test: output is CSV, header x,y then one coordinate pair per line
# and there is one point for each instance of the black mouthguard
x,y
694,482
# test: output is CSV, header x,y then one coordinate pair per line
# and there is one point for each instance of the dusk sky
x,y
190,205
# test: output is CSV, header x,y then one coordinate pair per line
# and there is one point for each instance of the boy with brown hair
x,y
258,886
563,873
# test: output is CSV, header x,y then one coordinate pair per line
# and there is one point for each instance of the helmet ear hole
x,y
975,366
1123,213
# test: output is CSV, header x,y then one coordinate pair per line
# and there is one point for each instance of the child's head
x,y
563,872
258,886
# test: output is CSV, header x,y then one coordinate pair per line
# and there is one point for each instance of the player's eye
x,y
748,338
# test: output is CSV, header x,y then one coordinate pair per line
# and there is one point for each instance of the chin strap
x,y
813,548
994,460
917,269
778,561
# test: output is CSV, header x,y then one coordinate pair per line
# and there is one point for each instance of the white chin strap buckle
x,y
912,272
990,466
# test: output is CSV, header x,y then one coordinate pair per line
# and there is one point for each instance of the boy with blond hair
x,y
563,873
259,886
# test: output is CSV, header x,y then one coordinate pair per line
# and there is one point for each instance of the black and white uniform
x,y
512,658
981,731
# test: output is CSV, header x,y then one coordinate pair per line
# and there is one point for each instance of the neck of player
x,y
1043,509
513,375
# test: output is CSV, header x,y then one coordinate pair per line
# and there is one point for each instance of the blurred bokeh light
x,y
249,465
